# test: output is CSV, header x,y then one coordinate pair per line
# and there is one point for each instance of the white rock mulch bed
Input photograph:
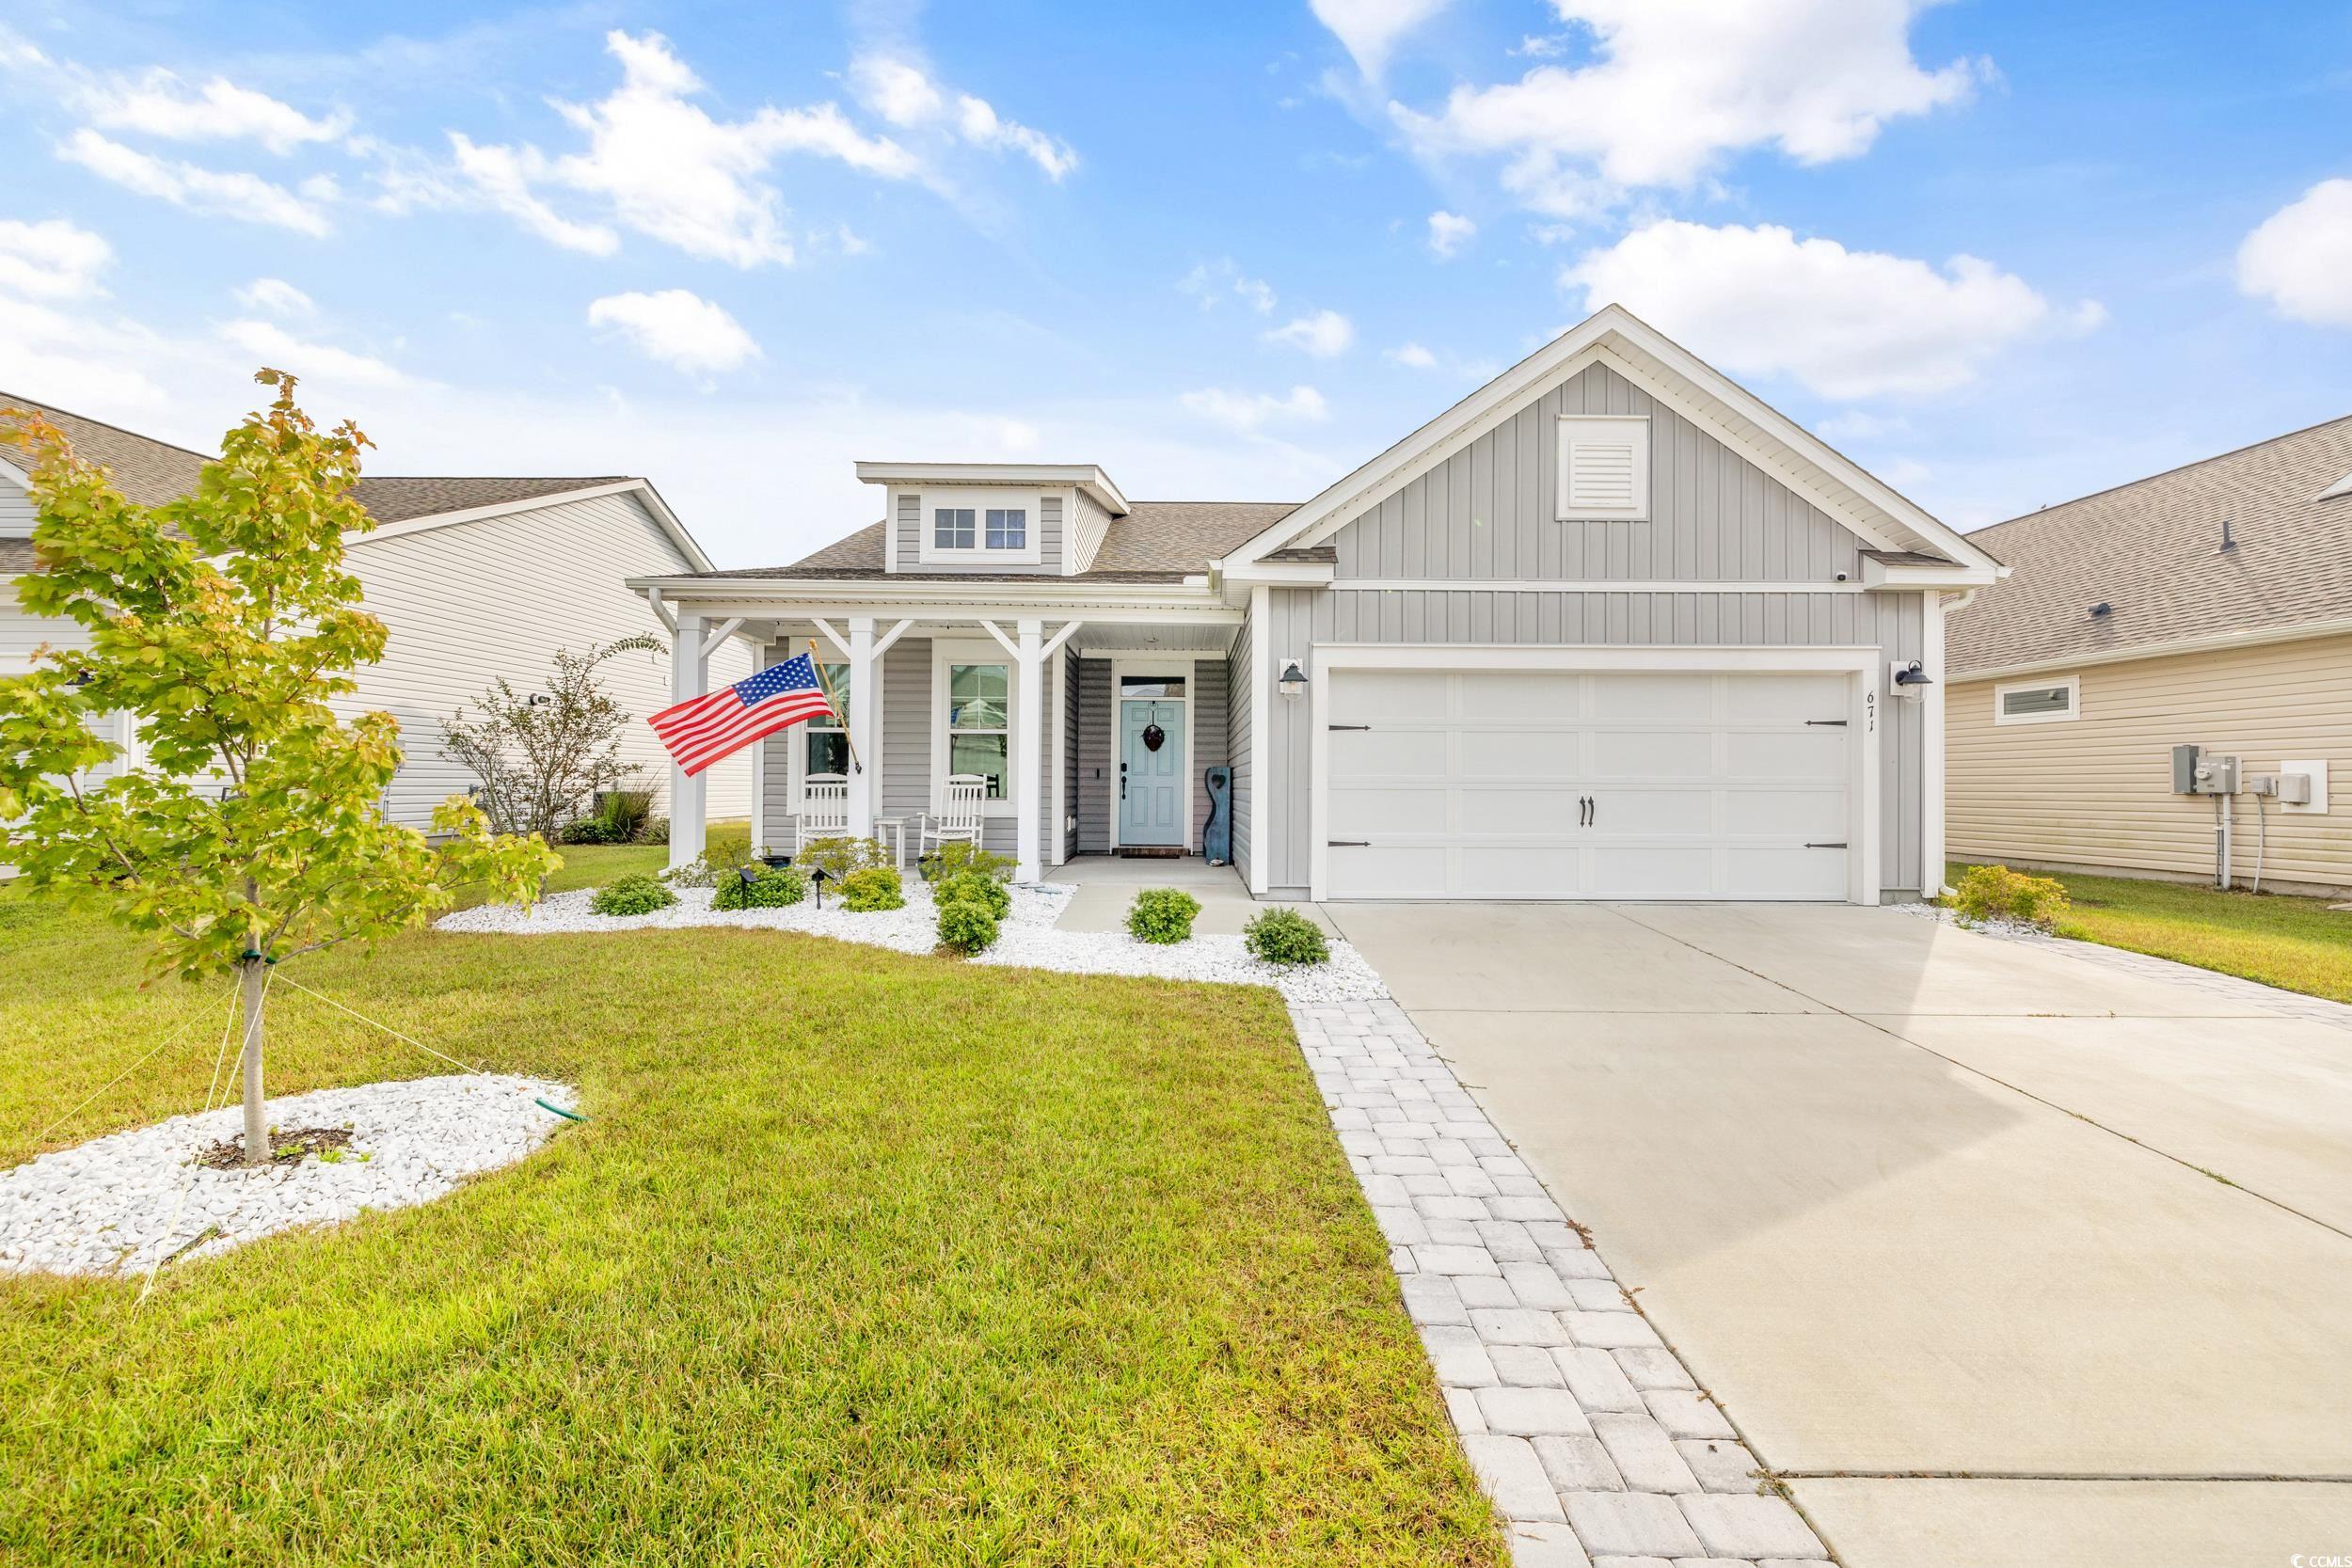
x,y
121,1203
1029,938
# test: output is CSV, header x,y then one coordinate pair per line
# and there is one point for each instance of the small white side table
x,y
892,831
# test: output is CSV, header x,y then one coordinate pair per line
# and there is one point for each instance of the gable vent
x,y
1604,468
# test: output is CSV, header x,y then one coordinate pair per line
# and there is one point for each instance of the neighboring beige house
x,y
476,577
2210,606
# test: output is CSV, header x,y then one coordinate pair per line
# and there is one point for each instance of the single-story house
x,y
1608,627
2208,607
475,577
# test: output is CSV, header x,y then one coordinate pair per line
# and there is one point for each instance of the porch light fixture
x,y
1293,680
1910,679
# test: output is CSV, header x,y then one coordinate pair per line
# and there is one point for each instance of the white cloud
x,y
1247,411
280,350
247,198
661,164
682,329
1856,425
1677,85
1539,46
1847,323
1323,334
1448,232
1370,28
274,297
52,260
903,94
159,104
75,361
2301,257
1210,282
1412,356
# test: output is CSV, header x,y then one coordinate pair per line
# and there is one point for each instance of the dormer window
x,y
951,528
975,528
1008,528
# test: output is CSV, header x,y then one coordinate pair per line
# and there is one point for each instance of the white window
x,y
1604,468
2037,702
824,741
979,525
972,720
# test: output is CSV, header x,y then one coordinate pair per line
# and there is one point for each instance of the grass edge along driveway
x,y
863,1259
2280,940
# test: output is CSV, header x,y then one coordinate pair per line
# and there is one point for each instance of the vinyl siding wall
x,y
1490,511
1239,711
1090,523
476,601
16,511
1050,508
470,603
1097,732
2095,793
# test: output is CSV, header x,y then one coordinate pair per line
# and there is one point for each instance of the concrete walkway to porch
x,y
1107,884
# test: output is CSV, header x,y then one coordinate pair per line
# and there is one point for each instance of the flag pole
x,y
834,703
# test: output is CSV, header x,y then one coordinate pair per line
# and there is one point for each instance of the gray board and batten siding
x,y
1487,514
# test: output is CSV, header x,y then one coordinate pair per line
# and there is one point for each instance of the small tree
x,y
541,755
222,622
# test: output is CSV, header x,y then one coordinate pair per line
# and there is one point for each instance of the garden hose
x,y
567,1115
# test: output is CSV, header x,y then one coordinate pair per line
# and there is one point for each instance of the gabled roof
x,y
2152,551
151,472
1155,542
1739,418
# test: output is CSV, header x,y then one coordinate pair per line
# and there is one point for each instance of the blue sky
x,y
2003,254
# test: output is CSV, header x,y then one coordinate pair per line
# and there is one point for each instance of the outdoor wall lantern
x,y
1293,680
1911,679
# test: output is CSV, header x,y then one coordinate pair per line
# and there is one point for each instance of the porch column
x,y
1028,731
690,670
865,703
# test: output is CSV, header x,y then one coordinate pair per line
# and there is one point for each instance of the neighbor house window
x,y
1008,528
979,737
2037,702
1604,469
951,529
825,744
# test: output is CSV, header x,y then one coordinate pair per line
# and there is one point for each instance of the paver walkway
x,y
1594,1440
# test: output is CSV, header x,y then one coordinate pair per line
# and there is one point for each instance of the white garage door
x,y
1560,784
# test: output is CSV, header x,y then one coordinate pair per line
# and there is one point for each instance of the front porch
x,y
1107,884
1093,724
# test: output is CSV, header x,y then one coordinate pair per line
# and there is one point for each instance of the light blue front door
x,y
1151,781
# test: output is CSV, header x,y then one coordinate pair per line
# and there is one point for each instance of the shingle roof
x,y
1155,542
151,472
2152,549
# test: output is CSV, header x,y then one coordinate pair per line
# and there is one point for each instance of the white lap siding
x,y
472,602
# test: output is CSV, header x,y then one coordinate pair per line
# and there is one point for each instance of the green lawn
x,y
2294,944
862,1258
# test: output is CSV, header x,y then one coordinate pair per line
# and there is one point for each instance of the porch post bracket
x,y
717,639
1061,637
1006,643
831,636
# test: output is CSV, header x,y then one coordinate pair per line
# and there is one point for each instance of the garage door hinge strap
x,y
1347,844
1839,844
1828,723
1348,726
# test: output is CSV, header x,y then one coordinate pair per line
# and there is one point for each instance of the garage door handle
x,y
1348,726
1839,844
1828,723
1347,844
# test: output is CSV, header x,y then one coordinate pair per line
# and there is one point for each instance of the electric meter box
x,y
2196,773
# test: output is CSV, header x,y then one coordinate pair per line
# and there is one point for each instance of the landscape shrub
x,y
956,859
1997,893
975,887
1282,935
966,926
655,830
1162,915
719,862
587,829
840,858
624,814
760,887
870,888
635,894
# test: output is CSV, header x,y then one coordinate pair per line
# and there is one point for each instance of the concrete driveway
x,y
2002,1257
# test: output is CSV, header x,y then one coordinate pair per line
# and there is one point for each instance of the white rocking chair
x,y
825,811
959,819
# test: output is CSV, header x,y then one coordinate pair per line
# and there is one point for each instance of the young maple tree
x,y
223,622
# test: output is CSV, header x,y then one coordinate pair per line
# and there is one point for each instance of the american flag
x,y
701,730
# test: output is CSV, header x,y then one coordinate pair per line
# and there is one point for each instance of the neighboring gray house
x,y
1608,627
476,578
